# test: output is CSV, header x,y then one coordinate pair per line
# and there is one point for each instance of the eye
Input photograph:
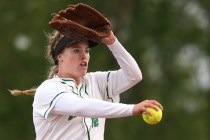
x,y
87,50
76,51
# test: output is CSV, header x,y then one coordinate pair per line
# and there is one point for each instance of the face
x,y
73,61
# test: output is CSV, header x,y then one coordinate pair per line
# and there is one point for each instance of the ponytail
x,y
16,92
53,71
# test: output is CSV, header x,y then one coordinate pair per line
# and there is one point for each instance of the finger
x,y
155,107
148,112
159,106
154,102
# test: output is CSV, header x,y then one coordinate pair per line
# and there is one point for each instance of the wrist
x,y
132,110
111,41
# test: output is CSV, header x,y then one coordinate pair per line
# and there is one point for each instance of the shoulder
x,y
100,77
97,75
50,83
49,88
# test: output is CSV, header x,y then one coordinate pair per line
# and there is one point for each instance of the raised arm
x,y
129,73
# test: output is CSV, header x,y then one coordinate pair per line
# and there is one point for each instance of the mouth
x,y
83,64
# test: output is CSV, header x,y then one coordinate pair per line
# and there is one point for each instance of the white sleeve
x,y
129,73
88,107
47,94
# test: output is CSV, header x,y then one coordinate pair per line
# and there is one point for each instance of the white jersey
x,y
103,86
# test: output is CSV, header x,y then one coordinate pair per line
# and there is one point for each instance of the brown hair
x,y
53,39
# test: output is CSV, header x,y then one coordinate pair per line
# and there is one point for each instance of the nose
x,y
84,55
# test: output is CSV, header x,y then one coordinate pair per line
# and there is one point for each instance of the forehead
x,y
79,44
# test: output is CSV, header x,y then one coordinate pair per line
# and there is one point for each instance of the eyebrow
x,y
77,46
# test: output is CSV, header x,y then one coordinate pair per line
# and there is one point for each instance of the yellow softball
x,y
155,118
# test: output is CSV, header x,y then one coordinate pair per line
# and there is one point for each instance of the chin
x,y
83,74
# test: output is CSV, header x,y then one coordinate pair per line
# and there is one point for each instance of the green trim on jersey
x,y
80,91
87,130
52,102
107,91
68,80
69,86
86,89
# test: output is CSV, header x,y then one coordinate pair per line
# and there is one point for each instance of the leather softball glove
x,y
81,21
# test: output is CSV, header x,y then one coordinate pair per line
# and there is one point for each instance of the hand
x,y
109,39
142,107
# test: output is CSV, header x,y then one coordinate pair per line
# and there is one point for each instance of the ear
x,y
60,58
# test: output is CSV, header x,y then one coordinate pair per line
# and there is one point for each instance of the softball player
x,y
73,104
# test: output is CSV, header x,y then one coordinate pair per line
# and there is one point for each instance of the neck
x,y
76,79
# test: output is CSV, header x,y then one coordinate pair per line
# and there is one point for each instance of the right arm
x,y
70,105
89,107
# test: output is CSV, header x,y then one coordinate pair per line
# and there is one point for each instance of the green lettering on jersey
x,y
95,122
71,117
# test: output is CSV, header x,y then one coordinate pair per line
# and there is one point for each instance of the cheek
x,y
71,60
88,57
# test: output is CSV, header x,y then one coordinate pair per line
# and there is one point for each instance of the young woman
x,y
73,104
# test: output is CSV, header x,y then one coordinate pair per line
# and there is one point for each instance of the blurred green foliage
x,y
169,40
